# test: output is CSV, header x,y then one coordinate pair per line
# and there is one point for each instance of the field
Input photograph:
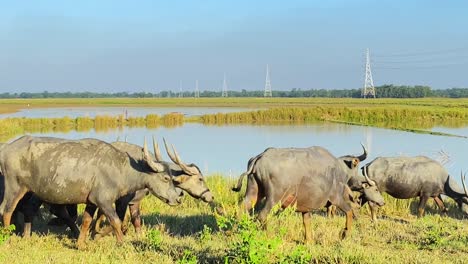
x,y
192,233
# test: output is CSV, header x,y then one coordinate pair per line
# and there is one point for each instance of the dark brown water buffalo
x,y
307,177
410,177
86,171
186,177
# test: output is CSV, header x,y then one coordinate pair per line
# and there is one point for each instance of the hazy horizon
x,y
150,46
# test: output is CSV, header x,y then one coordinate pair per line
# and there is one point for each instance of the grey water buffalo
x,y
410,177
307,177
29,204
186,177
86,171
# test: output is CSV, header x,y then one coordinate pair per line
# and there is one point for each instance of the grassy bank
x,y
11,127
191,233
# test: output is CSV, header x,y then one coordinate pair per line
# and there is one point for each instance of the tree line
x,y
384,91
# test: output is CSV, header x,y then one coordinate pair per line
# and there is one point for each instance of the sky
x,y
143,45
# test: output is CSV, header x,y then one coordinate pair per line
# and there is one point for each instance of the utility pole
x,y
369,89
267,92
180,89
197,92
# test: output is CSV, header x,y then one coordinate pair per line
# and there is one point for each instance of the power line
x,y
412,54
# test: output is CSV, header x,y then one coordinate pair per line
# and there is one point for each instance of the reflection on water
x,y
74,112
226,149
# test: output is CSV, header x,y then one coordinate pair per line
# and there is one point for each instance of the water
x,y
226,149
74,112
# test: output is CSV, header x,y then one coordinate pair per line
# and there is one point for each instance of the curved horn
x,y
176,159
185,168
364,155
171,156
157,167
157,152
463,176
371,182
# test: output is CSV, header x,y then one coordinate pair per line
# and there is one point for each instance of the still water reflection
x,y
226,149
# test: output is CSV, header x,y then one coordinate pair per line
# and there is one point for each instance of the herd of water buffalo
x,y
64,173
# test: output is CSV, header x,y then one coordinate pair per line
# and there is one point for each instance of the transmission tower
x,y
224,93
180,89
369,89
197,92
267,92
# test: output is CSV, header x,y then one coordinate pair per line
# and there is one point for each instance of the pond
x,y
226,149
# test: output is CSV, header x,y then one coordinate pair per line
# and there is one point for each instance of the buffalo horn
x,y
157,152
157,167
176,159
364,155
463,176
371,182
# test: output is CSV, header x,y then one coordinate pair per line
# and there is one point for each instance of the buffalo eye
x,y
167,178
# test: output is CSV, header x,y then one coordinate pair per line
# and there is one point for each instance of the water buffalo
x,y
86,171
410,177
186,177
307,177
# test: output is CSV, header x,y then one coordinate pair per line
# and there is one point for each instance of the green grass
x,y
192,233
11,127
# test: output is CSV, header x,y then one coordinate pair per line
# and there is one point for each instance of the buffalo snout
x,y
207,197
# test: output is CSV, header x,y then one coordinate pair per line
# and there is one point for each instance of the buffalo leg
x,y
251,196
349,224
262,216
63,213
422,205
307,226
121,209
345,206
114,220
100,217
135,216
30,209
9,204
87,219
440,204
331,210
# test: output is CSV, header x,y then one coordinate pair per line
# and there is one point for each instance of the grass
x,y
14,104
11,127
191,233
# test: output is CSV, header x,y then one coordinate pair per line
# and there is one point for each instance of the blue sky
x,y
132,46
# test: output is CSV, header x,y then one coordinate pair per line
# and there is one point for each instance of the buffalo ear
x,y
180,179
351,164
355,162
365,185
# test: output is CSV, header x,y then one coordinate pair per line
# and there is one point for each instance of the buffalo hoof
x,y
81,245
344,233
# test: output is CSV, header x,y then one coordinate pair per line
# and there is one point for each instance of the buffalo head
x,y
187,177
161,184
359,183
